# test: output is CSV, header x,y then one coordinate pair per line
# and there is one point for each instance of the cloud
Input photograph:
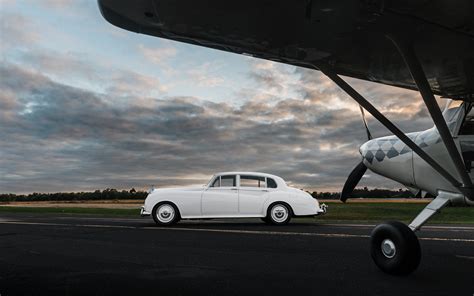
x,y
57,3
58,137
59,64
126,83
81,70
71,119
204,75
16,31
272,78
157,55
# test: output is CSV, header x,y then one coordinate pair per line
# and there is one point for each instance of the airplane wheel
x,y
394,248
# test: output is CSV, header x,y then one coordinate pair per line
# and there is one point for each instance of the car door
x,y
221,198
253,192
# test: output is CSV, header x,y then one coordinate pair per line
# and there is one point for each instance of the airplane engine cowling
x,y
390,157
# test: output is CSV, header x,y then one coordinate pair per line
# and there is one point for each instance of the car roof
x,y
246,173
252,174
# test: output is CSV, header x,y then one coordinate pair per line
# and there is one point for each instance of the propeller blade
x,y
353,180
369,135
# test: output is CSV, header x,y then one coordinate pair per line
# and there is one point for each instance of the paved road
x,y
80,255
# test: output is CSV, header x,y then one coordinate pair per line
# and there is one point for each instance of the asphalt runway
x,y
81,255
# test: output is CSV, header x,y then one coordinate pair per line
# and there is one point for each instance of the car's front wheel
x,y
279,214
165,213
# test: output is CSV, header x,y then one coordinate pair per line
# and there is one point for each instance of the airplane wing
x,y
349,36
425,45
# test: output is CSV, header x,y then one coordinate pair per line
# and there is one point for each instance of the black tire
x,y
162,220
394,248
275,220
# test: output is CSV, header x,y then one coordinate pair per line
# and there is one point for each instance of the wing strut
x,y
407,52
389,125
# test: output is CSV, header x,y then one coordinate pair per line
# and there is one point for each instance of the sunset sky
x,y
85,105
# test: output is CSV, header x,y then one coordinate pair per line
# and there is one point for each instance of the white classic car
x,y
232,195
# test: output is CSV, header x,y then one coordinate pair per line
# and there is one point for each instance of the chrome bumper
x,y
323,208
144,213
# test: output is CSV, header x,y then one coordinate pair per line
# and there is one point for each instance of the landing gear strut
x,y
394,248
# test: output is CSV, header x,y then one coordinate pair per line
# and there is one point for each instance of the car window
x,y
228,181
252,181
271,183
225,181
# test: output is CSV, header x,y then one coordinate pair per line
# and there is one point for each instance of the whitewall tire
x,y
165,213
279,214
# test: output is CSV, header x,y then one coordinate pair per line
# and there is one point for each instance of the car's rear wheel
x,y
279,214
165,213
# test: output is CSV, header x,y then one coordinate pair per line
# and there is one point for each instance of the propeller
x,y
359,170
369,135
353,180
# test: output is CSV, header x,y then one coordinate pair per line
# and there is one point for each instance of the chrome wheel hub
x,y
279,213
388,248
165,213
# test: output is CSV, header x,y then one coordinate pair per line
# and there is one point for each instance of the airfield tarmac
x,y
46,254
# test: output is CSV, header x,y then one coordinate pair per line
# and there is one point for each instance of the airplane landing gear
x,y
394,248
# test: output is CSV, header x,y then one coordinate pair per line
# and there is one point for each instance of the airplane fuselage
x,y
390,157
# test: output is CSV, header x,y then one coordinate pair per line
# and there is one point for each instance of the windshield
x,y
209,182
451,110
453,114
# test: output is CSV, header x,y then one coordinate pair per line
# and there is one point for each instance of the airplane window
x,y
252,181
271,183
228,181
217,182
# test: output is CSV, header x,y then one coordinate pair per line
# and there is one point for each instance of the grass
x,y
68,210
379,212
337,213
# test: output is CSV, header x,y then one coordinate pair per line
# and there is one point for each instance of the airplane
x,y
422,45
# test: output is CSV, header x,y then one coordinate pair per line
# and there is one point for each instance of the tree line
x,y
107,194
114,194
366,193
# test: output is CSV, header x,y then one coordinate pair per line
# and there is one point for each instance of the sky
x,y
85,105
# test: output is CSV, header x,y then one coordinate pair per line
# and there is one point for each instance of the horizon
x,y
84,104
191,185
